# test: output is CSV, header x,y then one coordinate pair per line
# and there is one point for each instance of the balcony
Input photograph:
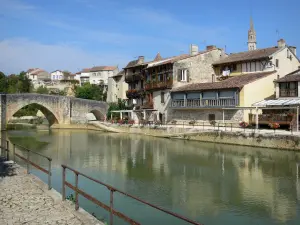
x,y
132,93
203,103
288,93
159,85
265,119
133,78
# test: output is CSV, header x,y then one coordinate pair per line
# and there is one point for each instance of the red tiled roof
x,y
248,55
86,70
103,68
232,82
37,71
293,76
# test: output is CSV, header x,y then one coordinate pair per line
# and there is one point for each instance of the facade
x,y
282,108
117,87
57,75
37,74
99,74
221,100
85,76
150,83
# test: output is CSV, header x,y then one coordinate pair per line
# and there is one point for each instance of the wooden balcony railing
x,y
131,78
159,85
288,93
197,103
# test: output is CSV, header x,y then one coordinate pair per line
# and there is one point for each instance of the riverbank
x,y
261,138
24,198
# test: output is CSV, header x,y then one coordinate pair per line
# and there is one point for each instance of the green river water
x,y
210,183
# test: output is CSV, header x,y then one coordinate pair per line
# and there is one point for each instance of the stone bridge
x,y
57,109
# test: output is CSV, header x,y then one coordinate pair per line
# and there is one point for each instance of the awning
x,y
278,102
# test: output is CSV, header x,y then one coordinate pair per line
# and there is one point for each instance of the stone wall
x,y
199,66
203,115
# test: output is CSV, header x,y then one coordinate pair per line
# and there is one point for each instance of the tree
x,y
89,91
42,90
114,106
3,83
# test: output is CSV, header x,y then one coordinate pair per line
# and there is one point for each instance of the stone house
x,y
85,76
150,82
117,87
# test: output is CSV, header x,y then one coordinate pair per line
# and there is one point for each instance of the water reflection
x,y
208,182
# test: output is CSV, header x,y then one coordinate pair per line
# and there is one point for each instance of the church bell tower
x,y
251,37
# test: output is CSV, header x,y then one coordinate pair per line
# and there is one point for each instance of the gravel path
x,y
24,199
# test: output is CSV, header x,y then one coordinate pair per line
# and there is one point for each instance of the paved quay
x,y
25,199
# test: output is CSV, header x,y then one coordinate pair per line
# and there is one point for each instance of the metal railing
x,y
109,208
29,162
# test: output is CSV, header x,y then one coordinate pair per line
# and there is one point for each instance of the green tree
x,y
3,83
119,105
42,90
89,91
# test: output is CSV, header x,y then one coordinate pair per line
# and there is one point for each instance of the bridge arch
x,y
48,113
98,113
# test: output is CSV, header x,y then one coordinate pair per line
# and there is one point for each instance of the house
x,y
284,107
117,87
85,76
238,81
150,82
57,75
99,74
37,75
222,100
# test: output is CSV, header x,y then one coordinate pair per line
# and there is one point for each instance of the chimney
x,y
141,59
210,47
194,49
281,43
293,49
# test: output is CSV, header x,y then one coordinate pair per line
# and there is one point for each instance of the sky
x,y
76,34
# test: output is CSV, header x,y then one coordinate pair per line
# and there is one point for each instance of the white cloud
x,y
21,54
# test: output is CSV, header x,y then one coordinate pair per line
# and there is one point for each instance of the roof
x,y
86,70
248,55
134,63
103,68
56,70
293,76
121,73
158,57
167,60
37,71
30,70
232,82
278,102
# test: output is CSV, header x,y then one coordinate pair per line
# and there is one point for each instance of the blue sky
x,y
75,34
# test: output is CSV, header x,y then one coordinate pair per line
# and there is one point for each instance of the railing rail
x,y
112,190
202,103
29,162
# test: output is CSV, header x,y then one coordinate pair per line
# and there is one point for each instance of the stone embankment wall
x,y
266,140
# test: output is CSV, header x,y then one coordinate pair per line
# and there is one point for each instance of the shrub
x,y
243,124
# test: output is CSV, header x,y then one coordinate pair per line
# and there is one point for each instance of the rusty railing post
x,y
14,152
49,174
111,220
28,161
7,150
63,190
76,192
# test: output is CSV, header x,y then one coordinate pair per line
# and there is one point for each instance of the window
x,y
277,63
211,117
288,89
209,95
162,97
183,75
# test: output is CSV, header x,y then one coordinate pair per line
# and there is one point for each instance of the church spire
x,y
251,36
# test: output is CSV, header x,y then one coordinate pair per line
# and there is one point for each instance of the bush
x,y
243,124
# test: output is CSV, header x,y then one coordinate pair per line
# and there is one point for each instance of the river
x,y
211,183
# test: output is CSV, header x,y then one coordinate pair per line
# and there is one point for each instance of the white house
x,y
99,74
37,74
57,75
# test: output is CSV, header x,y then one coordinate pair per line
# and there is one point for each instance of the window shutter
x,y
178,75
187,76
